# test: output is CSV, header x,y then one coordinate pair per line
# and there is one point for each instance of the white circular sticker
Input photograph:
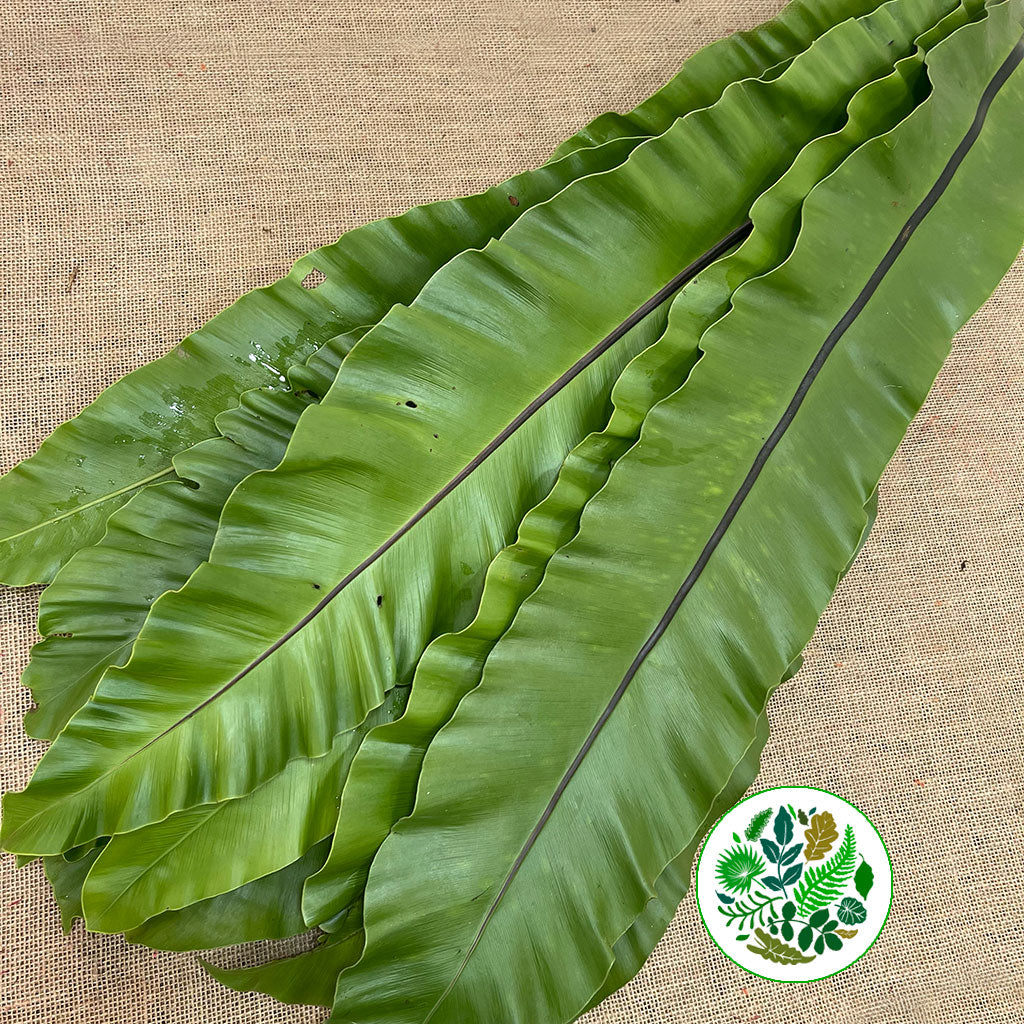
x,y
794,884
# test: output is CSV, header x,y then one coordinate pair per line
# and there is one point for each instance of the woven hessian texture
x,y
161,158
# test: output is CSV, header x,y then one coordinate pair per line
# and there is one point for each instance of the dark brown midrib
x,y
885,265
721,247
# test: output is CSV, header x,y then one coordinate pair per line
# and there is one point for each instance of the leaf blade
x,y
820,836
450,995
104,799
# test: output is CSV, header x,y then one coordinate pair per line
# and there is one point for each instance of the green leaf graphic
x,y
792,853
758,823
864,879
851,911
793,874
757,907
783,827
738,867
823,884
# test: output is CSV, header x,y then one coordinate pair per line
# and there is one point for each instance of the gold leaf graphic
x,y
846,933
820,836
777,951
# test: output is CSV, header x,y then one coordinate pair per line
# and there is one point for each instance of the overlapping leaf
x,y
59,500
573,824
163,536
93,611
243,653
592,777
381,786
140,874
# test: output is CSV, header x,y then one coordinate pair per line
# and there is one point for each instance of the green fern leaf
x,y
821,885
757,824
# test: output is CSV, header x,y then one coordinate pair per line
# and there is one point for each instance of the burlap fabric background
x,y
160,158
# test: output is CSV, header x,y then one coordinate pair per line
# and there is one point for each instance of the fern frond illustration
x,y
758,824
822,885
746,912
738,867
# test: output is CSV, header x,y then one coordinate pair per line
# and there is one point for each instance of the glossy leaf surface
x,y
59,500
381,786
591,780
213,659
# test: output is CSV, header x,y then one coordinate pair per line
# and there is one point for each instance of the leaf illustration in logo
x,y
820,836
806,937
758,823
822,884
791,854
783,827
851,911
793,874
801,817
776,950
832,940
749,911
864,879
846,933
771,851
738,867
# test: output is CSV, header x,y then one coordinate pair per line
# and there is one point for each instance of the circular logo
x,y
794,884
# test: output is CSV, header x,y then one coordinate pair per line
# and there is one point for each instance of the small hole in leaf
x,y
435,435
192,485
316,586
380,600
514,200
314,279
411,404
